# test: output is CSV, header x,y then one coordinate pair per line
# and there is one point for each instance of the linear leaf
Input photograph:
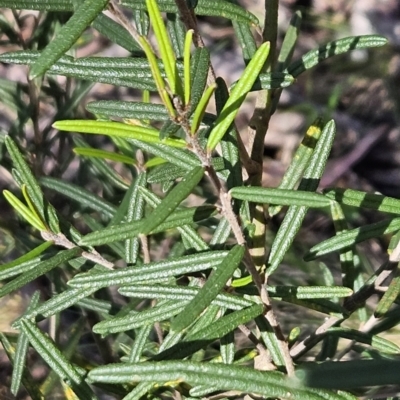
x,y
22,350
27,380
180,157
44,209
161,312
24,211
102,168
179,193
56,360
119,71
224,377
115,32
309,292
299,161
353,236
42,5
314,57
116,129
181,293
23,261
295,214
199,66
67,35
388,298
104,155
129,109
284,197
246,40
356,198
77,193
192,240
378,372
379,343
40,269
206,331
221,8
149,272
238,95
135,211
133,229
59,302
215,283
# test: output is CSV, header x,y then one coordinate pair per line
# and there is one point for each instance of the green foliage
x,y
179,298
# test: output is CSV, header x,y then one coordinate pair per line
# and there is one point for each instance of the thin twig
x,y
61,240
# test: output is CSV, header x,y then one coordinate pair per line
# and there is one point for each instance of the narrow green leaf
x,y
199,67
192,240
378,372
215,283
210,331
238,95
289,41
200,110
179,157
115,33
161,312
181,293
314,57
24,211
176,31
388,298
41,5
42,268
179,193
309,292
56,360
229,143
22,350
186,66
356,198
139,343
129,110
155,71
101,168
116,129
165,47
224,377
353,236
155,271
221,8
132,72
246,40
133,229
135,212
350,272
67,35
299,161
45,210
27,380
104,155
20,261
295,215
375,341
284,197
80,195
58,303
165,173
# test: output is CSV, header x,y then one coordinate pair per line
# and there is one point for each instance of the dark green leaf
x,y
210,290
67,35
